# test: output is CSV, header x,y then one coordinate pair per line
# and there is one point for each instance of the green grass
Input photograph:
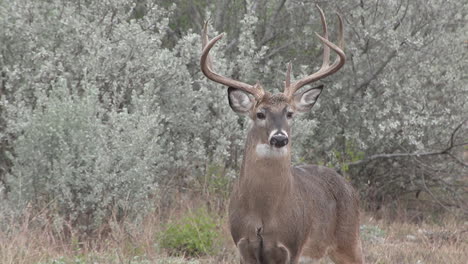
x,y
195,234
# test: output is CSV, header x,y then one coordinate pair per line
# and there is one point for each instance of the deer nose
x,y
279,140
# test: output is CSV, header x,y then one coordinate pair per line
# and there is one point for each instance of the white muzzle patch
x,y
269,151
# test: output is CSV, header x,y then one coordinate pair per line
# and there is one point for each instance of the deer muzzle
x,y
279,139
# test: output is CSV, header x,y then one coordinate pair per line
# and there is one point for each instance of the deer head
x,y
272,114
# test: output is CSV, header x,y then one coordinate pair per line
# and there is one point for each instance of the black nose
x,y
279,140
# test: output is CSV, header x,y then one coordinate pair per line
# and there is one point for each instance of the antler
x,y
326,69
206,67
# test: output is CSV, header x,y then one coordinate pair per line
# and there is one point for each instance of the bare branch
x,y
277,50
394,155
432,153
266,37
364,84
452,137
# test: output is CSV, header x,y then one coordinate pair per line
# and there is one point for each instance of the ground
x,y
442,241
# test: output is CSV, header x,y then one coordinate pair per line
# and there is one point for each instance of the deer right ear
x,y
240,101
305,100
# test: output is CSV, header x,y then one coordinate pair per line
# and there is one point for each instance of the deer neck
x,y
266,177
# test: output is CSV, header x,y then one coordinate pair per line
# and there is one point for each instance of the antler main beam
x,y
207,68
326,69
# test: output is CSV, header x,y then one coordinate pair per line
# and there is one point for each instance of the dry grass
x,y
422,243
384,242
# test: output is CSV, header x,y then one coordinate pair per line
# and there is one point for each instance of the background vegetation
x,y
106,120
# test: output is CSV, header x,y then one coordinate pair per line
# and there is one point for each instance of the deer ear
x,y
306,99
240,101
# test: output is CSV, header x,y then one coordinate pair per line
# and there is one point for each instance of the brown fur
x,y
278,212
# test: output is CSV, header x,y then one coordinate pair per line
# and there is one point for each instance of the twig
x,y
275,51
445,151
394,155
377,72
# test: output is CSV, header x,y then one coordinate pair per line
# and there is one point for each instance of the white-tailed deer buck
x,y
278,212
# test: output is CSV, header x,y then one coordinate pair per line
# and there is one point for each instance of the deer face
x,y
272,115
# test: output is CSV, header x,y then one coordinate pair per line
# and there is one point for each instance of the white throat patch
x,y
268,151
304,259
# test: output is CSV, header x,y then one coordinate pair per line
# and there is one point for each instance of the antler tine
x,y
326,68
340,32
340,43
207,68
205,42
287,83
326,49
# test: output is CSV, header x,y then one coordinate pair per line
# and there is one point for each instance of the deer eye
x,y
289,115
261,115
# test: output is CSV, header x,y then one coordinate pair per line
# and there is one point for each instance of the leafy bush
x,y
84,166
195,234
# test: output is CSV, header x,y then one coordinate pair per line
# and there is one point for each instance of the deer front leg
x,y
258,251
249,251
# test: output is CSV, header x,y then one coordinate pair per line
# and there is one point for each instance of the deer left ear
x,y
305,100
240,101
